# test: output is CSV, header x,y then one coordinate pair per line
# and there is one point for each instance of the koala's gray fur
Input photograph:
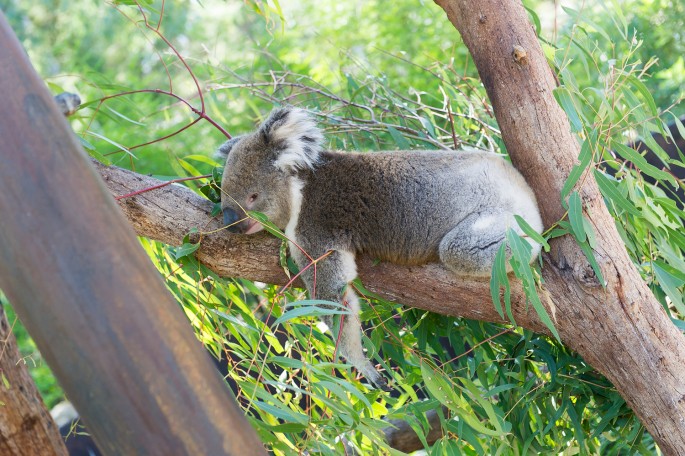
x,y
404,207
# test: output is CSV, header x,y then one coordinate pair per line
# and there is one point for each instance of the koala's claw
x,y
382,384
378,380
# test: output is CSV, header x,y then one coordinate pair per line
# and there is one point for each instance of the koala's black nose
x,y
231,220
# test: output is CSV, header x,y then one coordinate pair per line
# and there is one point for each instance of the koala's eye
x,y
252,198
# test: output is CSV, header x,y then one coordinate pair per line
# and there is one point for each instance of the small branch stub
x,y
520,55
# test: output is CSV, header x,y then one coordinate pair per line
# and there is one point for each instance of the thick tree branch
x,y
169,213
86,292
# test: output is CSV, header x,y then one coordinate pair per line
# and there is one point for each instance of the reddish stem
x,y
201,113
173,49
166,136
164,184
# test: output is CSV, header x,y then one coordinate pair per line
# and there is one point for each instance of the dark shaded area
x,y
78,440
673,148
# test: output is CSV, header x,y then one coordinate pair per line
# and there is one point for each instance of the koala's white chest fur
x,y
295,189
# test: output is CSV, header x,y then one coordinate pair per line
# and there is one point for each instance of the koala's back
x,y
397,206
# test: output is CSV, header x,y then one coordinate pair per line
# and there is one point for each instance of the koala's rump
x,y
398,206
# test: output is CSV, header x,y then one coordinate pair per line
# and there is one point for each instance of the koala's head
x,y
262,166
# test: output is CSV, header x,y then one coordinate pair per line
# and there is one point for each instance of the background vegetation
x,y
378,75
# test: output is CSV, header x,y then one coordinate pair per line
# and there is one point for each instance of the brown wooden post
x,y
100,314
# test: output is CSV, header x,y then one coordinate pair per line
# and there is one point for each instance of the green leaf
x,y
607,416
400,140
575,216
500,389
350,388
654,146
93,152
590,232
520,261
268,226
118,114
185,250
86,145
496,418
337,390
590,255
679,125
283,413
585,157
680,324
670,282
535,19
444,391
189,168
311,308
217,175
352,87
499,279
610,191
290,363
644,91
114,143
632,155
564,99
202,159
428,125
531,233
294,428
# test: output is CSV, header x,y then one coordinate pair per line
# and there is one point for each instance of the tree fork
x,y
621,329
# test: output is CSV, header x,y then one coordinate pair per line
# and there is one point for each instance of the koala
x,y
411,208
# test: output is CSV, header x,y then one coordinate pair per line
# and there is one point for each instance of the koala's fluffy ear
x,y
298,138
225,149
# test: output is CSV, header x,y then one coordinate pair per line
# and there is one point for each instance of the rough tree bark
x,y
620,329
26,427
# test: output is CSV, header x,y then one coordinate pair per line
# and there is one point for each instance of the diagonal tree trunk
x,y
621,330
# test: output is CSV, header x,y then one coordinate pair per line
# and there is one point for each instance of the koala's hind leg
x,y
471,246
350,336
333,274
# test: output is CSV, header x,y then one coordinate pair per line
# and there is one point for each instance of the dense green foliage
x,y
379,75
